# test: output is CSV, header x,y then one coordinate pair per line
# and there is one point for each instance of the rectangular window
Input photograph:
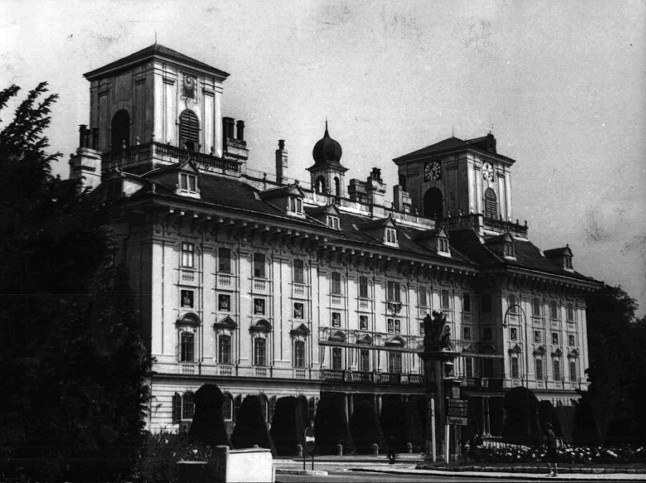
x,y
487,334
393,292
395,362
513,333
187,347
259,265
423,299
183,182
336,319
224,349
570,313
514,368
298,310
397,326
336,283
299,271
539,370
536,308
364,360
363,287
573,377
299,353
571,340
537,337
486,303
466,331
466,302
259,306
468,366
446,299
188,255
337,359
554,310
363,322
224,260
224,302
513,304
557,369
391,325
187,298
555,338
227,409
259,351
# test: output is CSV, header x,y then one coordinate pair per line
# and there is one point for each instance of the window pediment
x,y
300,330
261,326
395,342
188,318
338,337
226,323
365,340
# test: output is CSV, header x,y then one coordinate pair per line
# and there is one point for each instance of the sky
x,y
560,83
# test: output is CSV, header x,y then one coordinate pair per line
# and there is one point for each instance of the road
x,y
370,477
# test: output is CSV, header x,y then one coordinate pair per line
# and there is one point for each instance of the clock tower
x,y
458,177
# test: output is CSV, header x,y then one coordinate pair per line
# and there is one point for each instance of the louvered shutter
x,y
177,408
189,130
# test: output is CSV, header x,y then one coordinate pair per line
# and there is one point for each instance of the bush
x,y
251,428
366,429
160,454
288,425
331,427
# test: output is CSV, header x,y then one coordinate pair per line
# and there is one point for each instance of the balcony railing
x,y
480,221
259,285
142,152
361,377
225,280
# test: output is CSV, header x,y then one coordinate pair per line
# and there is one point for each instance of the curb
x,y
302,472
503,473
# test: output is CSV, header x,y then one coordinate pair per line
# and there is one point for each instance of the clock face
x,y
487,171
433,171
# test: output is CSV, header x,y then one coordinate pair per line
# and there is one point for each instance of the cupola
x,y
327,173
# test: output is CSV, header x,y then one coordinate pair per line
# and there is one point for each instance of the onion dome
x,y
326,150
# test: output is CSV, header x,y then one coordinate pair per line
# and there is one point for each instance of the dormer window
x,y
333,222
443,245
508,251
391,236
188,183
568,263
295,205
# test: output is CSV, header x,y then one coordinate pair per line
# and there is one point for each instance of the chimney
x,y
95,138
82,136
281,162
401,199
375,187
228,127
240,130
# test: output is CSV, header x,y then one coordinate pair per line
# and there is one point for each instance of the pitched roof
x,y
449,145
153,51
528,255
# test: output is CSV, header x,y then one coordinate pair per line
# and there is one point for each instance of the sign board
x,y
309,439
458,421
457,408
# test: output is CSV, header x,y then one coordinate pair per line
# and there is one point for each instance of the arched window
x,y
227,407
320,185
120,134
189,130
337,187
433,204
491,203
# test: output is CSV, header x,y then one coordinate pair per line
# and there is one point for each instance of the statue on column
x,y
437,333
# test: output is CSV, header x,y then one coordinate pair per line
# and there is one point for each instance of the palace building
x,y
270,286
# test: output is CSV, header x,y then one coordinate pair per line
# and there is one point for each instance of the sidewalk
x,y
407,464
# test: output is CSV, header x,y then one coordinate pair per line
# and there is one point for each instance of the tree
x,y
71,360
614,359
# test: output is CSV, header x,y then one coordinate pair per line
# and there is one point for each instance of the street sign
x,y
458,421
309,439
457,408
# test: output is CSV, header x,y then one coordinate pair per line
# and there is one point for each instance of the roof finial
x,y
452,132
326,124
155,37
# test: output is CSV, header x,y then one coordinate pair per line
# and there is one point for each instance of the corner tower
x,y
458,177
156,97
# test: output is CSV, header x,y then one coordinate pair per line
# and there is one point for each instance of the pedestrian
x,y
550,455
391,447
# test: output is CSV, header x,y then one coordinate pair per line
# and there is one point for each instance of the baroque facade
x,y
268,286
